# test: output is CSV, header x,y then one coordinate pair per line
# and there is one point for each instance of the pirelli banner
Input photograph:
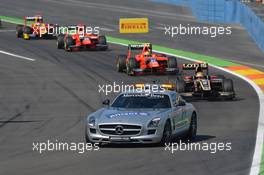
x,y
133,25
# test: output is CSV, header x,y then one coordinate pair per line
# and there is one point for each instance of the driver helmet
x,y
199,74
37,23
147,53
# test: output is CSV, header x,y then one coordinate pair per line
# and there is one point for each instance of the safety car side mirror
x,y
106,102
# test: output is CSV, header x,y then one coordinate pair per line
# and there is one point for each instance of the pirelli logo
x,y
133,25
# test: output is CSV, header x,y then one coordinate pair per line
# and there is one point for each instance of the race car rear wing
x,y
153,86
76,26
138,46
194,66
33,17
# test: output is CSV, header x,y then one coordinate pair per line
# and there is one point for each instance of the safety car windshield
x,y
134,100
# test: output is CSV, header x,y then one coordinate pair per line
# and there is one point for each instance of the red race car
x,y
145,61
77,39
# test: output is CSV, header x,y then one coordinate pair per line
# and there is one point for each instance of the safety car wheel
x,y
192,131
167,134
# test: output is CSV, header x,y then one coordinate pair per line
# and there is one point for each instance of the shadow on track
x,y
199,138
20,121
213,100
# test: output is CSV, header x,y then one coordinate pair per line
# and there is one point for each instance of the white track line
x,y
247,63
106,29
17,56
160,28
256,163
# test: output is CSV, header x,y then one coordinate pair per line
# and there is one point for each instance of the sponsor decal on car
x,y
128,114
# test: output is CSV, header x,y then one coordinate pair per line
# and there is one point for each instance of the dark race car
x,y
203,85
77,39
145,61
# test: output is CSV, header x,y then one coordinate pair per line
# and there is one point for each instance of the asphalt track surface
x,y
50,97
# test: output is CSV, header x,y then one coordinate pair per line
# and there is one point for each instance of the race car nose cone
x,y
86,41
153,64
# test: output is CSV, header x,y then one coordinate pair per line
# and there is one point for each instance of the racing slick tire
x,y
121,63
192,131
19,31
26,32
102,41
60,42
180,86
68,42
167,134
131,65
172,62
228,85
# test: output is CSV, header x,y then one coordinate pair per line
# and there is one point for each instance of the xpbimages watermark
x,y
139,88
213,147
212,31
57,30
55,145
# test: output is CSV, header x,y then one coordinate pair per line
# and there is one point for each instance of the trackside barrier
x,y
226,11
253,24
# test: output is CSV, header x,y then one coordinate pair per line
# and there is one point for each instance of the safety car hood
x,y
134,116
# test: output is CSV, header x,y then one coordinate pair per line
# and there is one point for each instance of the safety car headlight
x,y
154,123
91,121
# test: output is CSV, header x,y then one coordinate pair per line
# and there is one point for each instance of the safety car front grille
x,y
120,129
